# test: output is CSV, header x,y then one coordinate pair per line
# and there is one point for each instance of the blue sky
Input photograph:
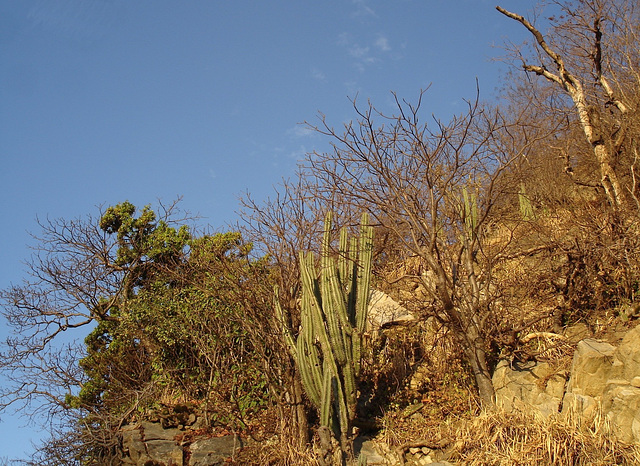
x,y
109,100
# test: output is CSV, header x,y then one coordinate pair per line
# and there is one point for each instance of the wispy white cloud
x,y
362,9
361,53
366,54
300,131
317,74
382,43
299,153
355,50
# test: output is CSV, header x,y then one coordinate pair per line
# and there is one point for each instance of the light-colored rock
x,y
592,366
581,405
383,310
529,385
425,461
628,354
621,404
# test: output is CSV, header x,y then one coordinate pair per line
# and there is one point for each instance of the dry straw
x,y
501,438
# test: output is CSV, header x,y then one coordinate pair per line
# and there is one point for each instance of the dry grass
x,y
276,451
490,438
500,438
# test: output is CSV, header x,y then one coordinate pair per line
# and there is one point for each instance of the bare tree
x,y
591,55
72,271
76,280
435,189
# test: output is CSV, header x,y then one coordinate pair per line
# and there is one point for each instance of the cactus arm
x,y
327,396
526,207
353,281
364,272
308,364
362,289
350,389
341,406
344,259
332,311
341,329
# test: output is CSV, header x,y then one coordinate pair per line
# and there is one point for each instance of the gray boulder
x,y
214,451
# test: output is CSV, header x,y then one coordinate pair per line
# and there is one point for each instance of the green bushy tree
x,y
165,319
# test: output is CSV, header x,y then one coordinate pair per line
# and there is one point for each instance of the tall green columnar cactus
x,y
333,314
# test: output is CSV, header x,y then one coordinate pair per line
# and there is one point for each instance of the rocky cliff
x,y
603,380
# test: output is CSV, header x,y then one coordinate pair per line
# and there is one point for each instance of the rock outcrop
x,y
163,444
603,380
607,378
529,384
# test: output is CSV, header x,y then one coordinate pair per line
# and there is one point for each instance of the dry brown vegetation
x,y
500,438
462,434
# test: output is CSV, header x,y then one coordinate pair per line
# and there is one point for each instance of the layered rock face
x,y
170,444
603,380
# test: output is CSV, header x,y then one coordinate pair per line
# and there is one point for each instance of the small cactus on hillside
x,y
526,208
